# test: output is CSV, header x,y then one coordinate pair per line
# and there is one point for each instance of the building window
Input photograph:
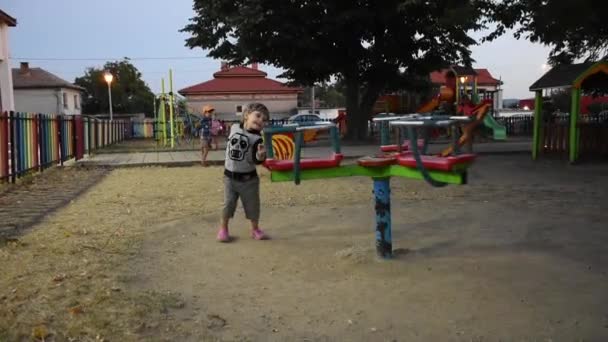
x,y
65,100
76,102
239,109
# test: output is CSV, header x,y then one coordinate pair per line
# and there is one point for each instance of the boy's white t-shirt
x,y
241,149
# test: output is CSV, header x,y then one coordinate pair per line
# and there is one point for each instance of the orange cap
x,y
208,108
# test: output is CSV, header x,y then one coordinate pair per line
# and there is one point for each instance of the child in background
x,y
205,132
216,130
244,151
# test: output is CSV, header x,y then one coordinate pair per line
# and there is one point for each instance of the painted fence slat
x,y
32,142
4,139
142,129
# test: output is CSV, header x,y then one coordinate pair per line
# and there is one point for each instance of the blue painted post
x,y
382,198
384,133
296,158
335,139
268,145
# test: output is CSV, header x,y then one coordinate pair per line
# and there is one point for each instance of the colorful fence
x,y
34,142
143,128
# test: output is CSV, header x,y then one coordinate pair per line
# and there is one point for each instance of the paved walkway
x,y
186,158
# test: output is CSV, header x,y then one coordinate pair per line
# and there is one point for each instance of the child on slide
x,y
244,151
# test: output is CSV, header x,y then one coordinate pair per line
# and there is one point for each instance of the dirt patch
x,y
24,204
519,254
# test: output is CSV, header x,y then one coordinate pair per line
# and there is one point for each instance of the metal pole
x,y
155,123
385,134
312,100
382,198
171,107
110,101
162,111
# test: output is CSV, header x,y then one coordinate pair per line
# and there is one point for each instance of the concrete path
x,y
187,158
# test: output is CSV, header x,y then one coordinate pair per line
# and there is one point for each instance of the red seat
x,y
377,161
404,147
305,164
436,162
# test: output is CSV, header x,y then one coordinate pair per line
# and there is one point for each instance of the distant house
x,y
233,87
38,91
6,82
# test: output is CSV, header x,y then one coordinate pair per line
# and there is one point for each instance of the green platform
x,y
457,176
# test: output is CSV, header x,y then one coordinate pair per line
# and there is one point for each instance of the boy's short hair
x,y
256,107
208,109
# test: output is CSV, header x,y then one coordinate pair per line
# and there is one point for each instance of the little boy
x,y
244,151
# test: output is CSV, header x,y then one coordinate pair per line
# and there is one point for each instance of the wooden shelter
x,y
577,134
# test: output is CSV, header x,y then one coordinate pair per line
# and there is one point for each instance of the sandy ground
x,y
520,254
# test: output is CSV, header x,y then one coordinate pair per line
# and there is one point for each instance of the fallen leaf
x,y
76,310
40,332
59,277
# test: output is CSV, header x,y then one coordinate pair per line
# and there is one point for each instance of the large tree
x,y
328,95
371,46
130,94
574,29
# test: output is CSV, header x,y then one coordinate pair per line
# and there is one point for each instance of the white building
x,y
38,91
233,87
6,83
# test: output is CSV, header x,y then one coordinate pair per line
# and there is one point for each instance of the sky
x,y
112,29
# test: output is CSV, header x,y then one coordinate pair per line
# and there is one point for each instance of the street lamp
x,y
108,77
463,88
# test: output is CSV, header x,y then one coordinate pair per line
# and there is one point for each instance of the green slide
x,y
500,132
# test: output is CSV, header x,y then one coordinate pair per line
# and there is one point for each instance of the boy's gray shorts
x,y
248,191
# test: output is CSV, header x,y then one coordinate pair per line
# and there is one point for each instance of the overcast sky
x,y
105,29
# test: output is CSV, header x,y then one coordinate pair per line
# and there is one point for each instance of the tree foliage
x,y
371,46
329,95
130,94
574,29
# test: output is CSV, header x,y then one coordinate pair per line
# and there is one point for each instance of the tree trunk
x,y
359,109
357,113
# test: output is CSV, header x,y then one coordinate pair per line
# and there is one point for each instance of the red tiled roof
x,y
6,18
32,78
483,77
438,77
240,79
240,71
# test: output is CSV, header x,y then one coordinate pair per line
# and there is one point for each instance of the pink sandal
x,y
258,234
222,235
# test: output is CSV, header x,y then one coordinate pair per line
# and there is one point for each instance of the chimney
x,y
254,66
224,66
24,68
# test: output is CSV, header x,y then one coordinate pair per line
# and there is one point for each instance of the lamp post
x,y
463,83
108,77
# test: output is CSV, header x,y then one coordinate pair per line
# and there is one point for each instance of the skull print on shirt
x,y
238,145
241,147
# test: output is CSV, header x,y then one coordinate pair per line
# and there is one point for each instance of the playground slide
x,y
479,113
429,106
500,132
